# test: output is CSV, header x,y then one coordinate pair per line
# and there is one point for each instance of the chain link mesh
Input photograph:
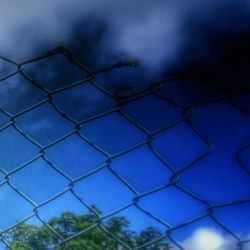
x,y
45,94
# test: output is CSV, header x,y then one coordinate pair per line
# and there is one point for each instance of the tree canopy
x,y
79,232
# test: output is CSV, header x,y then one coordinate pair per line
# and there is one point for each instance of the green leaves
x,y
78,232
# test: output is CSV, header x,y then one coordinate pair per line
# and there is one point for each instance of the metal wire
x,y
121,97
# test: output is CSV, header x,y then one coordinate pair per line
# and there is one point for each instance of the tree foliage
x,y
70,234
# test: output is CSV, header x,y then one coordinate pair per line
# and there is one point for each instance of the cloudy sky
x,y
205,42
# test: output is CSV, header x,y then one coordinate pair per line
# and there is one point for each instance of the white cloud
x,y
210,239
206,239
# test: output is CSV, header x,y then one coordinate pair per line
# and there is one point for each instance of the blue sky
x,y
217,179
136,150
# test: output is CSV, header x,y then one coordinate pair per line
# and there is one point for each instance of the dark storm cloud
x,y
216,46
201,39
205,39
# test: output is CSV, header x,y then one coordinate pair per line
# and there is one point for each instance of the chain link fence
x,y
41,114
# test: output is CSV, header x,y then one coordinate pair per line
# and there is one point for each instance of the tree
x,y
149,235
31,237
